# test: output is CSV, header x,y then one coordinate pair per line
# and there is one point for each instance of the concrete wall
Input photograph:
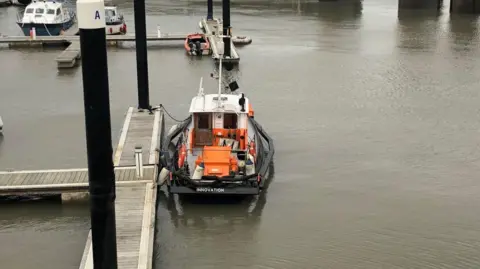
x,y
465,6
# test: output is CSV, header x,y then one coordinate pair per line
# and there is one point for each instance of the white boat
x,y
48,18
115,23
219,149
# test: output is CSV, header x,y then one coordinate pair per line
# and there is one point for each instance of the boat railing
x,y
20,15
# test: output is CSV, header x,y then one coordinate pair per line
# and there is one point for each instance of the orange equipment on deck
x,y
216,160
182,156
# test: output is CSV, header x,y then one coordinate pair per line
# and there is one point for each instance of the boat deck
x,y
135,193
211,29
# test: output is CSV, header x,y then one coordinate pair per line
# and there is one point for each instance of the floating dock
x,y
214,29
71,55
136,188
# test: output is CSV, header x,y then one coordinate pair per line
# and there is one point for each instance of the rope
x,y
169,115
44,25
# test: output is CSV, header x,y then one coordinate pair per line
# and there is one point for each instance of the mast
x,y
220,56
220,78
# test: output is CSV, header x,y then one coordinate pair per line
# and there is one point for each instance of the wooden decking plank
x,y
29,177
120,175
83,177
6,178
16,179
55,177
129,214
75,176
66,177
22,178
42,179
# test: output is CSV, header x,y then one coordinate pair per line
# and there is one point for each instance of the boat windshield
x,y
39,11
29,11
50,11
109,13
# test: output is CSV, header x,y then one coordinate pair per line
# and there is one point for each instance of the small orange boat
x,y
197,44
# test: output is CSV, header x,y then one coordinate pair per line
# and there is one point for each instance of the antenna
x,y
200,88
220,55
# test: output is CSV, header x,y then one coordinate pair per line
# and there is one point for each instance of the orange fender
x,y
252,149
182,156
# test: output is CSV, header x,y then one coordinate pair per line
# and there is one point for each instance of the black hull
x,y
188,190
24,2
239,185
114,23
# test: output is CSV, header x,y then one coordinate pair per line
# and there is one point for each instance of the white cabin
x,y
227,114
214,119
46,12
111,14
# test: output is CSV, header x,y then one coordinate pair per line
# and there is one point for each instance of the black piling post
x,y
142,58
209,9
226,27
101,177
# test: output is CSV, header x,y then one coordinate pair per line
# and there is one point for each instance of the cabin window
x,y
109,13
39,11
203,121
29,11
230,121
58,11
50,11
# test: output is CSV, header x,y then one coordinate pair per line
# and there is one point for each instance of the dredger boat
x,y
218,149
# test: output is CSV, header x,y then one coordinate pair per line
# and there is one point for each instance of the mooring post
x,y
209,10
139,161
101,176
141,49
226,27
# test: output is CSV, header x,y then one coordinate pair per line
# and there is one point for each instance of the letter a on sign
x,y
97,15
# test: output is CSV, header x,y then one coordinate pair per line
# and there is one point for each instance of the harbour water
x,y
375,120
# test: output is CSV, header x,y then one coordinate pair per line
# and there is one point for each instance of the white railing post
x,y
139,161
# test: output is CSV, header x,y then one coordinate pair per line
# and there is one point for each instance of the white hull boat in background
x,y
115,23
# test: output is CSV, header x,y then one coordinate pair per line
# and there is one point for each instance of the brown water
x,y
374,115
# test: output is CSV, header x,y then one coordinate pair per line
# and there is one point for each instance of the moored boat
x,y
115,23
219,149
46,18
197,44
